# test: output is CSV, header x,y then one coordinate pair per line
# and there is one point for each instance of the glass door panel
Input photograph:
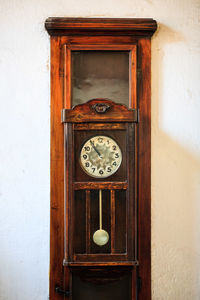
x,y
100,74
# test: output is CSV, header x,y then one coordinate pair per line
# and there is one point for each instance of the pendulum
x,y
100,237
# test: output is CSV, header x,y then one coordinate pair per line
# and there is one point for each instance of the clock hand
x,y
93,146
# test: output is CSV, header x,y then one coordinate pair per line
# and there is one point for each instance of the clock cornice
x,y
141,27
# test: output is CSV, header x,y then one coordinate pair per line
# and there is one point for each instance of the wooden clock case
x,y
78,269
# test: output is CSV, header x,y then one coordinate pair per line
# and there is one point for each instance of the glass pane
x,y
95,216
79,222
120,221
100,74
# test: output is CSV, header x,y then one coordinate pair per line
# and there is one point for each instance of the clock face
x,y
100,156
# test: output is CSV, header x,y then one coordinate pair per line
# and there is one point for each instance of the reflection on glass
x,y
100,74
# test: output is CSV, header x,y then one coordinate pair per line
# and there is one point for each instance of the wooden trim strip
x,y
71,116
99,126
144,170
88,221
57,174
95,26
133,78
112,211
67,77
103,47
98,257
99,264
100,185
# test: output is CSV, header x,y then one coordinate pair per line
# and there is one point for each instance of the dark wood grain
x,y
79,227
100,26
69,194
121,213
94,41
131,193
57,176
134,284
133,78
67,76
112,217
144,169
99,126
86,113
88,235
101,274
99,47
117,262
93,185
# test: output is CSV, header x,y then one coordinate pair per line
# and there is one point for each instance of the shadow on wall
x,y
175,221
175,202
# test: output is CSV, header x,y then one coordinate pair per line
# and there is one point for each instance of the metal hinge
x,y
60,291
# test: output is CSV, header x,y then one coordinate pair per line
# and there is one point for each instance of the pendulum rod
x,y
100,209
101,236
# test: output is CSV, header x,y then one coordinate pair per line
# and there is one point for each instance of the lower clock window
x,y
100,221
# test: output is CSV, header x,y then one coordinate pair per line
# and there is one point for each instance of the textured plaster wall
x,y
24,147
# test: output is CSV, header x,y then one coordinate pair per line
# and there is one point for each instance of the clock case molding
x,y
134,35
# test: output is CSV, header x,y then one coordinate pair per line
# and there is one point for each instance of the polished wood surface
x,y
100,26
69,34
88,112
101,185
144,165
58,274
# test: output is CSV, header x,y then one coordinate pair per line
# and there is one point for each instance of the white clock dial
x,y
100,156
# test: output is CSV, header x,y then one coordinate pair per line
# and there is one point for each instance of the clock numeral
x,y
87,148
93,170
100,140
116,155
87,164
109,169
85,156
101,172
114,164
114,147
108,142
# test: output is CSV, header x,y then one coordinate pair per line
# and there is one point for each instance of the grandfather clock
x,y
100,242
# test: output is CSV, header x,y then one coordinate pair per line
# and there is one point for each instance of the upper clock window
x,y
100,74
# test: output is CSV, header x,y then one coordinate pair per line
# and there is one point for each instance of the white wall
x,y
24,147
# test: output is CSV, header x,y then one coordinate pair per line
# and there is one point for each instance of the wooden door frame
x,y
63,31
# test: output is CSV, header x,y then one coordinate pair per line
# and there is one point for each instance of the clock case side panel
x,y
59,276
144,168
